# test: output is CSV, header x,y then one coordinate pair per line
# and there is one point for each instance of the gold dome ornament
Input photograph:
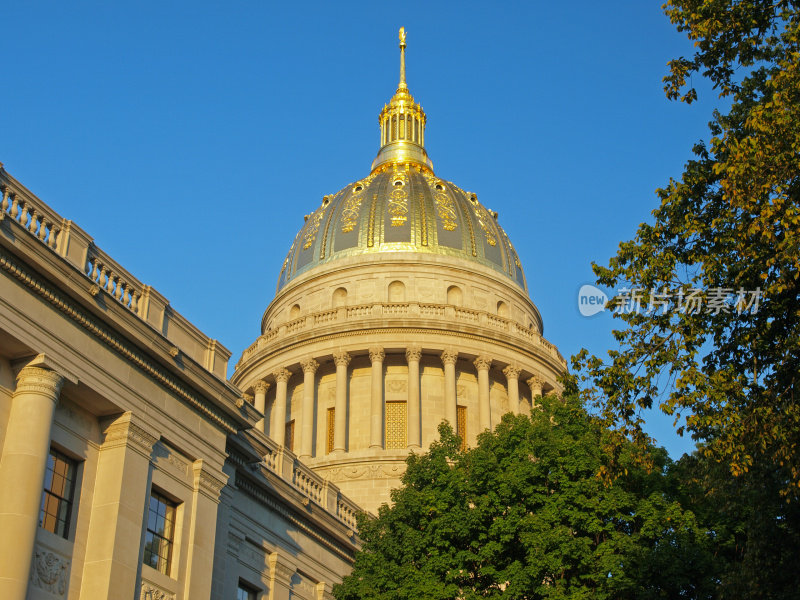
x,y
402,125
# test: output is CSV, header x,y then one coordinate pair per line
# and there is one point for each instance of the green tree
x,y
756,542
731,223
524,515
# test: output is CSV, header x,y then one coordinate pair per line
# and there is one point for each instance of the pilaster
x,y
22,468
281,571
122,485
208,483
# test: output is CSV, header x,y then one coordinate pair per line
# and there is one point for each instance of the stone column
x,y
449,358
414,408
310,367
260,390
376,355
278,425
342,359
482,363
22,469
208,483
536,384
116,530
281,571
512,380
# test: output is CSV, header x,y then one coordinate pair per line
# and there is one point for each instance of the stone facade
x,y
97,368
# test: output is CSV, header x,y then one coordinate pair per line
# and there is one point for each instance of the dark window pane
x,y
56,506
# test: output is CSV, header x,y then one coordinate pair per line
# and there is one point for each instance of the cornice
x,y
22,272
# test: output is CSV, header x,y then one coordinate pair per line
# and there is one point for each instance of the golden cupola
x,y
402,124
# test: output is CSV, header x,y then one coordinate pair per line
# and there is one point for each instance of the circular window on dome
x,y
358,188
399,183
440,187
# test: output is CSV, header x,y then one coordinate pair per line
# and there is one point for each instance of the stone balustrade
x,y
105,276
112,278
352,315
31,213
283,463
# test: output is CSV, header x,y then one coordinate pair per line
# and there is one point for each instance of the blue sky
x,y
190,138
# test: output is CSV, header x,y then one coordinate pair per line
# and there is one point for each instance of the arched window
x,y
397,292
502,309
455,296
294,312
339,297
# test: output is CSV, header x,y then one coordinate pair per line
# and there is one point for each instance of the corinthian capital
x,y
511,372
260,387
482,363
309,365
536,384
449,357
413,353
282,375
341,358
376,354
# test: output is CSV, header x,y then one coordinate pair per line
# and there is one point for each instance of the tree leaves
x,y
731,221
524,515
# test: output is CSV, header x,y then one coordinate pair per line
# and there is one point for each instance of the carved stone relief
x,y
150,591
50,571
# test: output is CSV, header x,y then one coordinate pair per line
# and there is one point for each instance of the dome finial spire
x,y
402,124
402,34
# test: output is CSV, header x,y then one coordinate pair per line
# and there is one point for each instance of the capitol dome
x,y
401,303
401,207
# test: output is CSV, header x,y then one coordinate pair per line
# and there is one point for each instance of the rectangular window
x,y
160,534
331,425
245,592
288,440
396,425
461,425
59,485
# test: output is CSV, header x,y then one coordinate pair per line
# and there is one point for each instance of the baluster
x,y
93,269
104,278
43,231
34,221
23,214
135,302
121,285
52,240
15,206
5,199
